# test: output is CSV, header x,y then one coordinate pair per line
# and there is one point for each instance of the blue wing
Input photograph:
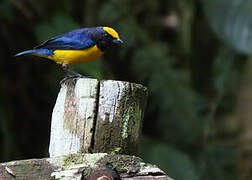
x,y
73,40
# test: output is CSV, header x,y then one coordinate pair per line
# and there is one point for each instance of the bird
x,y
77,46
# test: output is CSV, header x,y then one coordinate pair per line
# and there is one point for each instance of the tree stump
x,y
93,116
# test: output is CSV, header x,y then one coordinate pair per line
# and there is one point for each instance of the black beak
x,y
118,40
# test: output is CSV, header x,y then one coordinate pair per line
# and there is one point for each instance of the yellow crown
x,y
111,31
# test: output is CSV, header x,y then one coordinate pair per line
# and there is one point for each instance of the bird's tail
x,y
36,52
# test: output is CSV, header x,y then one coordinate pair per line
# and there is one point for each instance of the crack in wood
x,y
95,116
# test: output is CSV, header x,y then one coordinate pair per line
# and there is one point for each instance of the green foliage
x,y
58,25
180,118
170,159
226,76
7,136
6,10
220,161
231,20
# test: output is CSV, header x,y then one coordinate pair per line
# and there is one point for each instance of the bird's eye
x,y
105,35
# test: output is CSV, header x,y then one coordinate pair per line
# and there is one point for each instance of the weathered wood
x,y
119,118
81,166
92,116
73,117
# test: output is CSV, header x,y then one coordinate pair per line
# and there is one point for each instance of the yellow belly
x,y
66,57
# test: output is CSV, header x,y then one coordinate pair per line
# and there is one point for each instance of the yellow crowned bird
x,y
77,46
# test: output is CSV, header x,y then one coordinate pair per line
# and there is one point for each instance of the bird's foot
x,y
72,78
69,79
70,72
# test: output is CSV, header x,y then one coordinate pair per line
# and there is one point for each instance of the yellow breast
x,y
76,56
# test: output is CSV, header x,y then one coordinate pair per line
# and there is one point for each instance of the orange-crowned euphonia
x,y
77,46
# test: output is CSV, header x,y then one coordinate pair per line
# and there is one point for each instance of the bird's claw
x,y
69,79
72,79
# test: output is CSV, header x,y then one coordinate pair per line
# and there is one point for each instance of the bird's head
x,y
105,37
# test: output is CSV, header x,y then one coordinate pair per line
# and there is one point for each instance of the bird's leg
x,y
69,71
70,75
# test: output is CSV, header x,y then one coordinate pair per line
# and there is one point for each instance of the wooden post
x,y
93,116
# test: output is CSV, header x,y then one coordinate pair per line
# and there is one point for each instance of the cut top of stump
x,y
97,116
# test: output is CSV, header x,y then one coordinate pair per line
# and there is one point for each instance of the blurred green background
x,y
193,55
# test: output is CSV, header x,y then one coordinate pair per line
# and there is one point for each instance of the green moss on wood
x,y
122,163
89,159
